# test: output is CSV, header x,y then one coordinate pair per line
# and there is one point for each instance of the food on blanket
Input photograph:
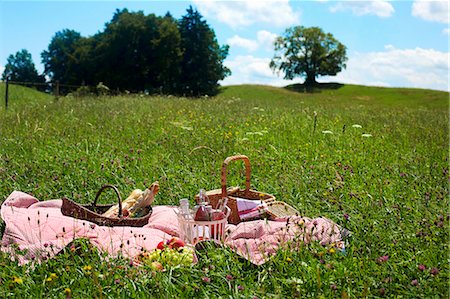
x,y
136,202
161,245
175,243
159,259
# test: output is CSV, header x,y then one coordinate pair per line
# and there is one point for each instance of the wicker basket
x,y
93,212
218,195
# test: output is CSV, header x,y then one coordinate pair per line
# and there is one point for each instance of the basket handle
x,y
118,196
248,170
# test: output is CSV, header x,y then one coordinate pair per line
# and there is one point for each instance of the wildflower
x,y
382,291
366,135
434,271
357,126
383,259
87,268
327,132
333,287
68,292
332,250
52,277
422,267
117,281
206,279
414,282
229,277
346,216
17,280
240,288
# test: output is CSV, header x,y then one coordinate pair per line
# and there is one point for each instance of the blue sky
x,y
389,43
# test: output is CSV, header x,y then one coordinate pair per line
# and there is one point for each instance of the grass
x,y
390,176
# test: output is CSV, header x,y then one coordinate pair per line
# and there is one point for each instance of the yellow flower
x,y
87,268
68,292
17,280
332,250
289,259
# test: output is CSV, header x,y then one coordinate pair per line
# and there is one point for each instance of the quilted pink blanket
x,y
41,229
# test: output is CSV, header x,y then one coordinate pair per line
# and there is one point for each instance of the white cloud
x,y
380,8
437,11
247,69
266,39
248,44
420,68
245,13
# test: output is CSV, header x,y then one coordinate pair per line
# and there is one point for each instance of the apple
x,y
175,243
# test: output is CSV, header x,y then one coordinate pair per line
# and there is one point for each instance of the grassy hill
x,y
374,160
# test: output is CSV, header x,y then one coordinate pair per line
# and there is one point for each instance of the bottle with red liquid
x,y
203,212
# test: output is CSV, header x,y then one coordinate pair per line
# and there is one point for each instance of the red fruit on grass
x,y
175,243
161,245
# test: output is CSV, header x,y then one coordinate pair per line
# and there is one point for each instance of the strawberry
x,y
161,245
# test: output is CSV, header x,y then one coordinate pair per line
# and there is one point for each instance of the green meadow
x,y
374,160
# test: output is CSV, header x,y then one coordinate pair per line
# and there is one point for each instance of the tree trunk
x,y
310,79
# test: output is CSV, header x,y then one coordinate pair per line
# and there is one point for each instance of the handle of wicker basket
x,y
248,170
118,196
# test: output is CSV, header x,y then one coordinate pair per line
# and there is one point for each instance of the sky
x,y
392,43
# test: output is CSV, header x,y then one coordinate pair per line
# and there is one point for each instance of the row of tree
x,y
135,52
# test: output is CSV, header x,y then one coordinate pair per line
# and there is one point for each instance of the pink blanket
x,y
42,231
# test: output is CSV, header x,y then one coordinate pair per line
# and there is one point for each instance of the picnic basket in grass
x,y
94,212
274,209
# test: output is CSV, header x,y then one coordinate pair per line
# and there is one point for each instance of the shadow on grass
x,y
316,88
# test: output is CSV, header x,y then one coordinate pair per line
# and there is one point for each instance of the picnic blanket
x,y
40,231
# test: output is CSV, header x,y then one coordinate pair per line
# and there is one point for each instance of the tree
x,y
20,68
309,53
202,62
60,61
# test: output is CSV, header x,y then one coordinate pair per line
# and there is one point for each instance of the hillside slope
x,y
345,95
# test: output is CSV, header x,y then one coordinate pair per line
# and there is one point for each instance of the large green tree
x,y
145,51
202,63
20,68
309,53
59,60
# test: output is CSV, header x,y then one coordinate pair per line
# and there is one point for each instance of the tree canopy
x,y
20,68
201,64
309,53
138,52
